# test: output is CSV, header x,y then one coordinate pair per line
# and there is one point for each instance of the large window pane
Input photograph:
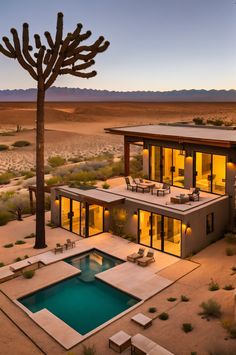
x,y
95,219
218,174
203,170
172,236
156,231
178,167
145,228
76,217
155,163
65,212
167,165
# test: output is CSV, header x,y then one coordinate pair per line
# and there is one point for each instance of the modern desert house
x,y
182,156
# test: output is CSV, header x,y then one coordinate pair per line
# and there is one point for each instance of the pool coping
x,y
59,336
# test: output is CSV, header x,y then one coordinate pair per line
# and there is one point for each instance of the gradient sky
x,y
155,44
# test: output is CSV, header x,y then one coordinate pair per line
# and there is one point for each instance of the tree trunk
x,y
40,211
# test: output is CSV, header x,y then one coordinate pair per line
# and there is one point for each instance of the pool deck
x,y
140,282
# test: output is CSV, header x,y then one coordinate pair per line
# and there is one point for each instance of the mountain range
x,y
77,94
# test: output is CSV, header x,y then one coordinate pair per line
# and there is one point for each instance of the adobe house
x,y
182,156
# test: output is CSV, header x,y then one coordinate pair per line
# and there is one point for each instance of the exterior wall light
x,y
135,213
188,229
106,210
57,200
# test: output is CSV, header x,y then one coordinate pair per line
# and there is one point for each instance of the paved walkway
x,y
141,282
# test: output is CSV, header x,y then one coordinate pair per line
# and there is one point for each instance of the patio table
x,y
141,344
179,199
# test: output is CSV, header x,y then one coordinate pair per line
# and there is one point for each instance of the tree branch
x,y
57,45
19,56
77,73
25,40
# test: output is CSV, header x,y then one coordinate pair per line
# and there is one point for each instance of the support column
x,y
126,156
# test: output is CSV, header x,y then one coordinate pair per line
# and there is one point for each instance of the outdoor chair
x,y
157,186
146,260
135,256
195,194
69,244
130,184
163,190
58,248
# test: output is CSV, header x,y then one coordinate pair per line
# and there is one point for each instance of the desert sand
x,y
75,129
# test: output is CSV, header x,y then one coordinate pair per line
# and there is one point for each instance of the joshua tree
x,y
61,56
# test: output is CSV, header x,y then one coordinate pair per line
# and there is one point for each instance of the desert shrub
x,y
228,123
229,251
18,205
19,242
47,169
28,174
31,235
228,287
184,298
5,217
2,264
117,168
119,218
232,331
213,286
53,180
20,144
28,274
89,350
5,178
51,224
3,147
163,316
105,185
56,161
10,245
5,196
230,238
218,122
187,327
26,256
17,259
77,159
211,308
152,309
210,121
198,120
171,299
130,237
136,165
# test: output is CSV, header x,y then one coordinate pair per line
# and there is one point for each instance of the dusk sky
x,y
155,44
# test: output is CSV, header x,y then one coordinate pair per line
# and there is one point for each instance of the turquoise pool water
x,y
82,301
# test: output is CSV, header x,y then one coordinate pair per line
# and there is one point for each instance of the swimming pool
x,y
82,301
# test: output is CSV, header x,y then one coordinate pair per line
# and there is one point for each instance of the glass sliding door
x,y
145,228
65,213
178,167
83,220
172,236
75,217
95,219
155,163
167,166
203,171
156,231
160,232
210,172
218,174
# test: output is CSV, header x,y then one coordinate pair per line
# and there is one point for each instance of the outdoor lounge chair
x,y
135,256
58,248
130,184
195,195
146,260
69,244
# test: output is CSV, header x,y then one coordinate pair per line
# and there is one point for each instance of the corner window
x,y
210,223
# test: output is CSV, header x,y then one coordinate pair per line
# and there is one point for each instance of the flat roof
x,y
93,195
212,136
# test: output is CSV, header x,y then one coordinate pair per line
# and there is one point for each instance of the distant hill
x,y
76,94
